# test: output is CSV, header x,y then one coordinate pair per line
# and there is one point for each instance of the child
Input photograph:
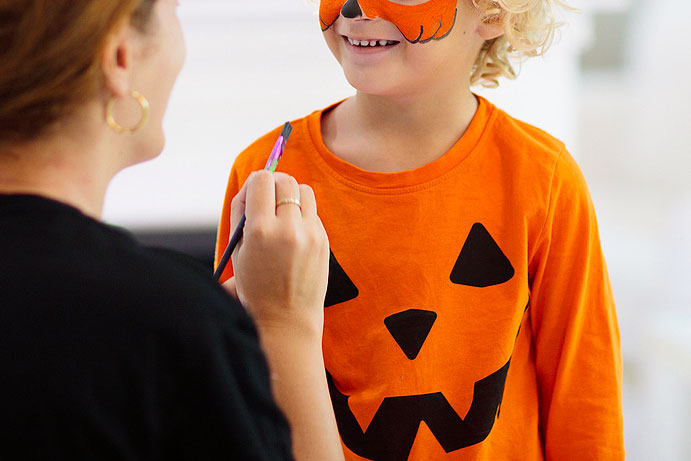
x,y
469,314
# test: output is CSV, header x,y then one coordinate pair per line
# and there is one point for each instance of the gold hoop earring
x,y
146,111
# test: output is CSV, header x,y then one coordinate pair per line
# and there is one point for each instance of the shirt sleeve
x,y
576,337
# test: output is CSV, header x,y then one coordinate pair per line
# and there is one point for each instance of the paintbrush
x,y
276,154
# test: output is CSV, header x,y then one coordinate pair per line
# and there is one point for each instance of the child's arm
x,y
577,346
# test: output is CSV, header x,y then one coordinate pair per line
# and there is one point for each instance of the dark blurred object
x,y
608,49
197,243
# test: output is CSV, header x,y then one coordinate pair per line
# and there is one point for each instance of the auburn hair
x,y
49,57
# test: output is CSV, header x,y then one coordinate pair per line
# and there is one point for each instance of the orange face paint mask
x,y
432,20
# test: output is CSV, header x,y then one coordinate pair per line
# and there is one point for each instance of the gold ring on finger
x,y
289,201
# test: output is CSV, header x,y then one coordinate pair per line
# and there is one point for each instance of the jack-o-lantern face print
x,y
418,22
388,432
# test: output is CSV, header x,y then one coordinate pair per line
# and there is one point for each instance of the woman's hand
x,y
281,263
281,272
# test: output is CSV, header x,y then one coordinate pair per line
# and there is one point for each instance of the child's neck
x,y
384,134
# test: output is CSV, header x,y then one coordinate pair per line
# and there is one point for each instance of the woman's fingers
x,y
256,196
260,201
309,202
288,200
281,266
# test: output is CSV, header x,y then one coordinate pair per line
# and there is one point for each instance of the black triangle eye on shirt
x,y
481,262
340,288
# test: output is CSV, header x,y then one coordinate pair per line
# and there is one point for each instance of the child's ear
x,y
490,28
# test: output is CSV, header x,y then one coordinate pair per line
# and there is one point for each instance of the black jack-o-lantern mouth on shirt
x,y
392,431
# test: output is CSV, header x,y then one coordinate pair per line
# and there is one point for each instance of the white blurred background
x,y
615,89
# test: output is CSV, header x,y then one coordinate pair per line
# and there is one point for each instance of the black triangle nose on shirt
x,y
410,329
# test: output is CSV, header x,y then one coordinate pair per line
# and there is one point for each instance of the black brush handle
x,y
234,240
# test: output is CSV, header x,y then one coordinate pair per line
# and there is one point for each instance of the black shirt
x,y
109,350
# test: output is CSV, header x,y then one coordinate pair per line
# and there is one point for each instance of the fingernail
x,y
264,173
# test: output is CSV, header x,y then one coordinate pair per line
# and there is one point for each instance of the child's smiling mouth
x,y
369,42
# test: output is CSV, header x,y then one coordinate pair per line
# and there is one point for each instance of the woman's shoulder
x,y
173,288
77,264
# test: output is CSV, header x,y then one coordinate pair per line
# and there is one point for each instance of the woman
x,y
112,351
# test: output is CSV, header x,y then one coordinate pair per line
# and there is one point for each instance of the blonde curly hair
x,y
529,30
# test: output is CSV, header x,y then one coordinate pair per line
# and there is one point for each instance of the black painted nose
x,y
351,9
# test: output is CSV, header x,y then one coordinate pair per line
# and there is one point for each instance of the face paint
x,y
431,20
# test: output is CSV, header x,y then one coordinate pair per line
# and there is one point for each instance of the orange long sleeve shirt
x,y
469,314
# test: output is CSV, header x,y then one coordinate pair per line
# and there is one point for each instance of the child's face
x,y
380,55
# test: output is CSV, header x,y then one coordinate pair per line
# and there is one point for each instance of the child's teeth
x,y
365,43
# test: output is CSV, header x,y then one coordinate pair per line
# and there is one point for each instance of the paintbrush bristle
x,y
287,129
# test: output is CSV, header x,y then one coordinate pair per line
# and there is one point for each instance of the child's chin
x,y
375,87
